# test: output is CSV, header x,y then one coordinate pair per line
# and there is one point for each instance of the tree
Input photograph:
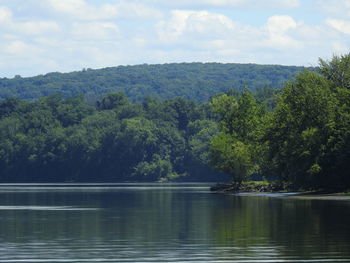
x,y
337,71
112,100
300,130
337,167
232,156
233,148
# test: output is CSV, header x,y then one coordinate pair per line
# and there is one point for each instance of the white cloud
x,y
36,27
19,48
9,24
230,3
95,31
342,26
5,15
281,39
203,29
80,9
69,6
83,10
134,10
196,24
278,27
334,7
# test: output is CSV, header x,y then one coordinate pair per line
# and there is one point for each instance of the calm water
x,y
167,223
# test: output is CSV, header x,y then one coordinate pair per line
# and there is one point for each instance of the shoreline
x,y
300,196
340,196
268,190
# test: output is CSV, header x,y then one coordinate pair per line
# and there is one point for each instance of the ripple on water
x,y
46,208
53,260
167,223
56,252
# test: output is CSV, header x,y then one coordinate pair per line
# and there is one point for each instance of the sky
x,y
41,36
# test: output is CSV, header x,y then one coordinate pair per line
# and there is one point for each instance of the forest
x,y
299,134
67,140
304,140
192,81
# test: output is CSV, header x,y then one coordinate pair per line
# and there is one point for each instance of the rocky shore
x,y
259,187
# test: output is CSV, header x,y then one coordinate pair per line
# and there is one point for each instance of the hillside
x,y
197,81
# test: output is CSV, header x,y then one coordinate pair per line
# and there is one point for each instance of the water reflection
x,y
167,223
297,229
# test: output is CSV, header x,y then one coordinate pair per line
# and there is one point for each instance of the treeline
x,y
304,141
67,140
192,81
299,136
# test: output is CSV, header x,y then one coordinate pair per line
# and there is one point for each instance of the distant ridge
x,y
196,81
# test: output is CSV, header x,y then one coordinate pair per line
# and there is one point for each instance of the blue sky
x,y
41,36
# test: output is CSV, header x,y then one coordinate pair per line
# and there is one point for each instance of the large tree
x,y
308,135
233,149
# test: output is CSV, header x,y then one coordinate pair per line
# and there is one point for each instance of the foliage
x,y
303,141
234,147
308,133
58,140
299,135
192,81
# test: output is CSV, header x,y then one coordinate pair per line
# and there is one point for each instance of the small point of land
x,y
278,190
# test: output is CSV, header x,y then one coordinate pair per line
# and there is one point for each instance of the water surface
x,y
166,223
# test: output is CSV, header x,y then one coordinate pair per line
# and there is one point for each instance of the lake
x,y
167,223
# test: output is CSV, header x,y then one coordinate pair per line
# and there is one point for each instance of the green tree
x,y
337,71
300,130
112,100
233,149
336,168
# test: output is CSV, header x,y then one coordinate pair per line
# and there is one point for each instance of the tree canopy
x,y
304,140
192,81
300,135
60,140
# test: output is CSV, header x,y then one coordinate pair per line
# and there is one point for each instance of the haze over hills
x,y
195,81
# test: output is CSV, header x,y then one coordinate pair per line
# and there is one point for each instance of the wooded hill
x,y
301,136
193,81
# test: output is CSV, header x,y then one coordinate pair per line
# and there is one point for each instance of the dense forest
x,y
300,135
304,140
192,81
62,140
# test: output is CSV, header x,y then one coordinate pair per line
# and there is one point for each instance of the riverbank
x,y
280,190
251,187
340,196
